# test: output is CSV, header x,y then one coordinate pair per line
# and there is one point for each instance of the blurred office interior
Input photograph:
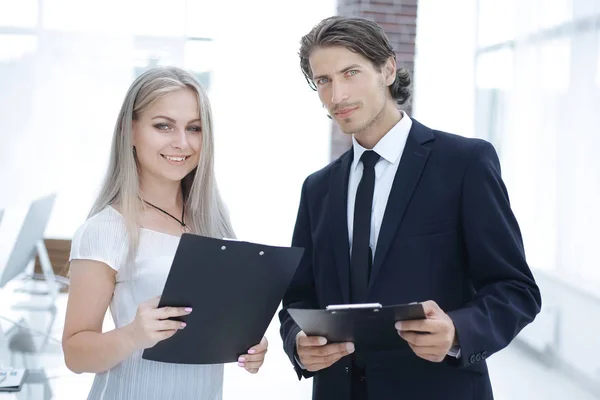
x,y
524,75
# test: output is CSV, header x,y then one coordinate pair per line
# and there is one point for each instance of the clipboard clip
x,y
338,307
260,253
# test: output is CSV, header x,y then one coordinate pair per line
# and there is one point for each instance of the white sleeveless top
x,y
103,238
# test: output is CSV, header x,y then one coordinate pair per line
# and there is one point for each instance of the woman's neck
x,y
162,194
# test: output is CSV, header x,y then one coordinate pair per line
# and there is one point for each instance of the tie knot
x,y
369,158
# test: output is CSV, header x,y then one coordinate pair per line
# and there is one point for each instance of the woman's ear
x,y
133,133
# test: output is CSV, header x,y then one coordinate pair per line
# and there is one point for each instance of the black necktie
x,y
361,259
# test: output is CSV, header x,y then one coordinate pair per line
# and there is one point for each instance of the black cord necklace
x,y
163,211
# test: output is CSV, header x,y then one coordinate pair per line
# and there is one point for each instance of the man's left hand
x,y
430,338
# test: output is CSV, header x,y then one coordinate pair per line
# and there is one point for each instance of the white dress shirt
x,y
390,148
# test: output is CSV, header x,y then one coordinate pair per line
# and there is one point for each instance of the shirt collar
x,y
390,146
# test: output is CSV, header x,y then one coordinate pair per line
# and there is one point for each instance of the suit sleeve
x,y
506,295
301,291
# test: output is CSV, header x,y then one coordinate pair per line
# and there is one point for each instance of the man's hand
x,y
315,354
430,338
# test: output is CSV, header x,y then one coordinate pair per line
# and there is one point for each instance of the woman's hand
x,y
151,324
255,357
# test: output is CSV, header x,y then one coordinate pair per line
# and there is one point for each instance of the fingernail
x,y
241,359
350,347
188,309
322,341
251,351
398,325
183,324
241,364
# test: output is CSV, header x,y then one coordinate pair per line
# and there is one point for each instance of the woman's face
x,y
168,137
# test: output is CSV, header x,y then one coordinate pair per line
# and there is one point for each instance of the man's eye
x,y
322,81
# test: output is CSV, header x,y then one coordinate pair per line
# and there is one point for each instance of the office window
x,y
495,70
18,14
555,63
144,60
497,21
585,8
552,13
199,58
152,51
101,16
598,58
14,47
159,18
537,96
202,18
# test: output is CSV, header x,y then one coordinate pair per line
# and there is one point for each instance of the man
x,y
409,214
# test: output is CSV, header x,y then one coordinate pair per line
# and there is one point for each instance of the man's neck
x,y
381,125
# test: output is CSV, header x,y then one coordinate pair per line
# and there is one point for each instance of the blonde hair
x,y
205,210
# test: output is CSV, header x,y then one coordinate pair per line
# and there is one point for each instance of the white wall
x,y
271,131
444,77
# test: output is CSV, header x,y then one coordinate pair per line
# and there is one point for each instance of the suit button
x,y
472,359
347,369
484,355
478,357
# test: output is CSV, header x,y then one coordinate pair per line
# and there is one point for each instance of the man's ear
x,y
389,71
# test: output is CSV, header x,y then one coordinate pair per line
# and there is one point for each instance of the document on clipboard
x,y
234,289
369,326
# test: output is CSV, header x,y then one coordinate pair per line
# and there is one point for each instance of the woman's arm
x,y
86,348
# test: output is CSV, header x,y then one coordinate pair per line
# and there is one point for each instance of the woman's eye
x,y
195,128
162,127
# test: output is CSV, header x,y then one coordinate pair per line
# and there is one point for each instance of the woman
x,y
160,183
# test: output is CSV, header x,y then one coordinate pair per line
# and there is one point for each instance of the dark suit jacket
x,y
448,235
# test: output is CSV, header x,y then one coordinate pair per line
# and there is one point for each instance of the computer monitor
x,y
32,231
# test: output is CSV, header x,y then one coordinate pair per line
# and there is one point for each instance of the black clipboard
x,y
234,289
369,327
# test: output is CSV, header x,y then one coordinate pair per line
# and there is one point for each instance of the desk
x,y
31,339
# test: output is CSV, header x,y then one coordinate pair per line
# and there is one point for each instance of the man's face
x,y
349,85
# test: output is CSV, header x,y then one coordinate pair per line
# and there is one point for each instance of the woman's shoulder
x,y
102,237
108,220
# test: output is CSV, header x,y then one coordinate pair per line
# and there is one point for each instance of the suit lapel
x,y
338,209
412,162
